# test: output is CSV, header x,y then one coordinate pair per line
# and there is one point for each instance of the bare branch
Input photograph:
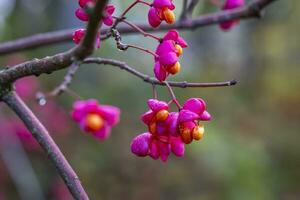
x,y
44,139
153,81
59,61
67,80
251,10
47,65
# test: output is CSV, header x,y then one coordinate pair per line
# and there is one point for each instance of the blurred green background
x,y
251,149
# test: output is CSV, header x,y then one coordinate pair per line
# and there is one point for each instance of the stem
x,y
67,80
142,49
148,79
174,99
145,34
44,139
154,91
132,5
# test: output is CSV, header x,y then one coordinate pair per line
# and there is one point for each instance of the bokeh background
x,y
250,151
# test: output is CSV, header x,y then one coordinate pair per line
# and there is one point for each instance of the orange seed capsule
x,y
186,136
162,115
175,68
152,127
179,50
168,15
94,122
198,132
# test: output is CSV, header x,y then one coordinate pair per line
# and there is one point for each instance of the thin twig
x,y
67,80
148,79
251,10
44,139
174,99
46,65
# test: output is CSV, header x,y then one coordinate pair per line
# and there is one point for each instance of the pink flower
x,y
94,118
193,110
161,10
146,144
169,51
78,35
108,19
83,16
228,5
163,137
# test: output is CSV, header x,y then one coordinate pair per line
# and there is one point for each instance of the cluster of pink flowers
x,y
94,118
168,52
228,5
83,16
170,131
161,10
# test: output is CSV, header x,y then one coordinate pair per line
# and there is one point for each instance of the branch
x,y
44,139
67,80
251,10
153,81
48,65
59,61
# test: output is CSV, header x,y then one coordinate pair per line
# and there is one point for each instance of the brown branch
x,y
67,80
59,61
153,81
44,139
251,10
48,65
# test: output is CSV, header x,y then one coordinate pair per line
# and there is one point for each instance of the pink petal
x,y
153,18
228,24
172,122
156,105
78,35
171,35
82,3
189,125
78,111
109,9
161,128
81,14
108,21
177,147
162,3
91,106
231,4
165,47
110,113
140,144
205,116
186,115
103,133
164,150
182,42
147,117
168,59
159,72
154,152
195,105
